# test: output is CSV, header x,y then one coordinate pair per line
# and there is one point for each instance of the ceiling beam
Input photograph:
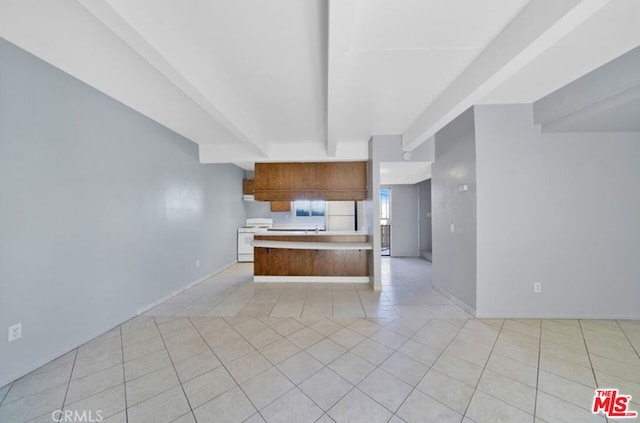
x,y
285,152
341,16
122,29
540,25
611,85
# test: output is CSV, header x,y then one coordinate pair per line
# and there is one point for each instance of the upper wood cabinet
x,y
248,186
281,206
315,181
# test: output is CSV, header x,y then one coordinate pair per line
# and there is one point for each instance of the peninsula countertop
x,y
307,232
306,245
312,240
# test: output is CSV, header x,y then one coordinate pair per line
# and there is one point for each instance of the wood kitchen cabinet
x,y
293,261
316,181
281,206
248,186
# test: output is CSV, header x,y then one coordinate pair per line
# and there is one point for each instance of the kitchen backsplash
x,y
339,216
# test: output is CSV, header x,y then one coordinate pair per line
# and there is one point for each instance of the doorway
x,y
385,221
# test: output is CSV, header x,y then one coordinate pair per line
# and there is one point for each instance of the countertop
x,y
293,245
281,232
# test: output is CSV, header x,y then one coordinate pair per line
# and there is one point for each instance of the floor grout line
x,y
174,367
429,369
628,340
353,386
595,378
483,370
535,399
73,366
124,379
222,364
6,394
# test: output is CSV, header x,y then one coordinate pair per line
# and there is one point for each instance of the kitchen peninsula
x,y
312,256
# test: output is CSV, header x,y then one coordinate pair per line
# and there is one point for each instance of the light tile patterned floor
x,y
231,350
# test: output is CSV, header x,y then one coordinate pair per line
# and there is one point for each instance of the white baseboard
x,y
159,301
313,279
560,316
454,300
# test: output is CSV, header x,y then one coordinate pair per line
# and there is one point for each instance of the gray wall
x,y
258,209
102,211
559,209
454,253
405,233
424,192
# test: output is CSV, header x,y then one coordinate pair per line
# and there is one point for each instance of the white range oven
x,y
245,236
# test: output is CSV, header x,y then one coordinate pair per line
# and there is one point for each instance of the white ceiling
x,y
280,80
404,173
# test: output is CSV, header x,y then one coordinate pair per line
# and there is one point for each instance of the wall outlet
x,y
537,287
197,263
15,332
452,227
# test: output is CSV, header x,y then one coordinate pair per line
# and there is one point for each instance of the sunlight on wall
x,y
183,202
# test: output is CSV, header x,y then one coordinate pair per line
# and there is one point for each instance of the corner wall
x,y
405,221
560,209
454,248
102,212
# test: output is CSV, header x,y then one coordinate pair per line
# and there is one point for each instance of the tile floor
x,y
231,350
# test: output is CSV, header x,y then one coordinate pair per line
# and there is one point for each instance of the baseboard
x,y
560,316
454,300
159,301
427,255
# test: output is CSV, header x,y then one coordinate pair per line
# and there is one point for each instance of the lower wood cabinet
x,y
291,262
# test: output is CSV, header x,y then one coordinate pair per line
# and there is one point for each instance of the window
x,y
385,210
385,220
309,207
